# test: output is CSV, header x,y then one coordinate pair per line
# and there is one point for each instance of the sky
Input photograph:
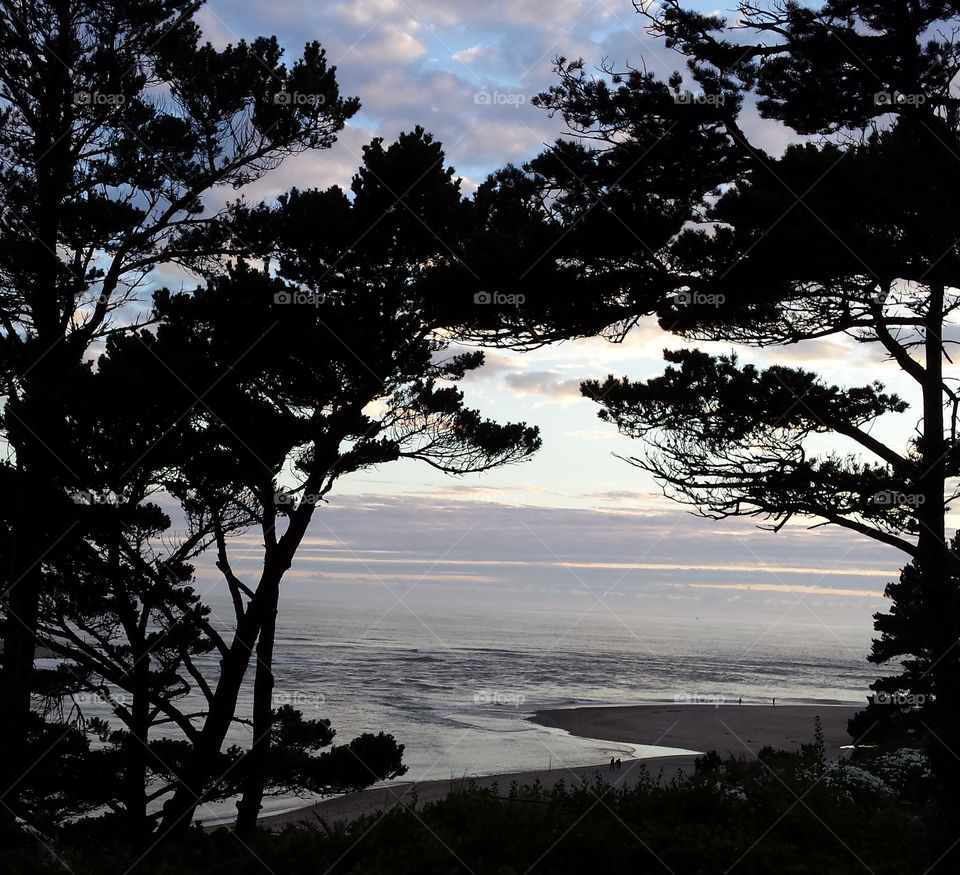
x,y
576,525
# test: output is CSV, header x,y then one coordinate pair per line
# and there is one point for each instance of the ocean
x,y
456,684
456,687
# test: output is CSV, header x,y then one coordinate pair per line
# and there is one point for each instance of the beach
x,y
731,730
353,805
728,729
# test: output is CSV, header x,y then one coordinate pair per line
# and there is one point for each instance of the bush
x,y
770,815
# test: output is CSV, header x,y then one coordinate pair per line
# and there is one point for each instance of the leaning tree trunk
x,y
257,759
200,773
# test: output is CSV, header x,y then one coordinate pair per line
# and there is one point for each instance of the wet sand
x,y
728,729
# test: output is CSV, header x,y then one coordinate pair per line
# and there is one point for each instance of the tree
x,y
327,364
851,235
115,124
131,633
733,439
131,636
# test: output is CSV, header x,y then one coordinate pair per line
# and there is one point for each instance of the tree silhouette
x,y
115,123
668,207
131,630
318,358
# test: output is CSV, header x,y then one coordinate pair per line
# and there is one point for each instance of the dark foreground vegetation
x,y
781,813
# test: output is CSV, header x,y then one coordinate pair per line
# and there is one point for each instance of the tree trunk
x,y
257,759
178,811
194,780
34,419
19,644
39,527
135,779
939,571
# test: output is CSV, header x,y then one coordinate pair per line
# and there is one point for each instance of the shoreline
x,y
729,729
350,806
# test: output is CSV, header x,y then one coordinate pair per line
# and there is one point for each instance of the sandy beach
x,y
728,729
354,805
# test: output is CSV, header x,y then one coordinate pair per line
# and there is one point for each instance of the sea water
x,y
456,688
456,685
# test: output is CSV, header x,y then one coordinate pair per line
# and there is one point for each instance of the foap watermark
x,y
94,496
98,98
897,98
892,498
297,699
688,98
913,700
513,300
299,298
499,98
291,498
700,699
298,98
98,697
698,299
499,697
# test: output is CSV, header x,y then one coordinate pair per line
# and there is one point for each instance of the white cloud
x,y
314,169
544,383
474,53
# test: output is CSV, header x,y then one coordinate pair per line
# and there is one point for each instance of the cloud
x,y
383,42
658,550
475,53
317,168
419,62
780,587
545,383
593,434
495,362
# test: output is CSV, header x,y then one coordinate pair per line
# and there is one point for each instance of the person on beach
x,y
611,764
740,701
618,764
